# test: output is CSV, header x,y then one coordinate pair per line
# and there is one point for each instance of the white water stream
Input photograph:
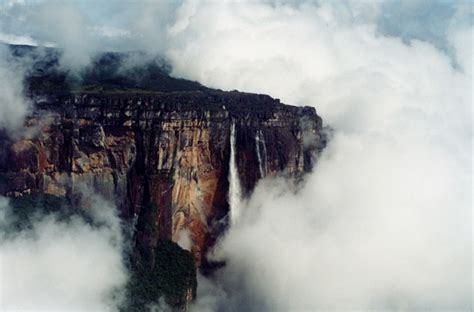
x,y
262,162
235,192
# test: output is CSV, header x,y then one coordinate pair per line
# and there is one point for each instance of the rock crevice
x,y
163,158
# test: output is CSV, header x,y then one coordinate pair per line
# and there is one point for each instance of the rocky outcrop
x,y
163,158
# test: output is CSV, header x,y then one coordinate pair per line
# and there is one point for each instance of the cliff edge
x,y
163,158
173,155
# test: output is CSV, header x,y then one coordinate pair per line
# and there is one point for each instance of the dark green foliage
x,y
171,277
146,227
176,270
28,208
108,72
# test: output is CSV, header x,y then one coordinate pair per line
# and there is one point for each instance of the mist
x,y
383,222
13,105
63,264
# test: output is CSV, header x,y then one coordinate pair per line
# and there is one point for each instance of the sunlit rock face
x,y
163,158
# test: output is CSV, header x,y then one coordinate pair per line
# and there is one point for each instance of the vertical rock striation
x,y
163,158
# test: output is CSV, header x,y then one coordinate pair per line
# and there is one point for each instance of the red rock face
x,y
162,158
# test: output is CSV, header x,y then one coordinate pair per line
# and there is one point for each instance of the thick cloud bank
x,y
384,222
62,266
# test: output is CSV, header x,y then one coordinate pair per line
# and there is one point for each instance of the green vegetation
x,y
172,276
28,208
109,72
146,227
164,273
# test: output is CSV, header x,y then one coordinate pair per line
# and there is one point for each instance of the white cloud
x,y
63,266
184,239
13,105
14,39
66,26
384,222
81,29
111,32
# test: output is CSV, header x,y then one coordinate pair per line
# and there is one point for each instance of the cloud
x,y
52,23
384,221
20,40
13,105
63,266
81,29
184,239
66,26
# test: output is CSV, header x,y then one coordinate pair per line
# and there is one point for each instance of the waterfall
x,y
259,156
262,163
234,182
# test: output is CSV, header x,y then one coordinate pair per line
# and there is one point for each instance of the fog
x,y
13,105
383,222
63,265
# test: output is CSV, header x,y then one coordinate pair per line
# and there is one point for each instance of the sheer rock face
x,y
163,158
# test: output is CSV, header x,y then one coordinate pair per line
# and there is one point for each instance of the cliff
x,y
173,155
163,158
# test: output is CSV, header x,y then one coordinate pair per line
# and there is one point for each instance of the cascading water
x,y
259,156
234,182
262,162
